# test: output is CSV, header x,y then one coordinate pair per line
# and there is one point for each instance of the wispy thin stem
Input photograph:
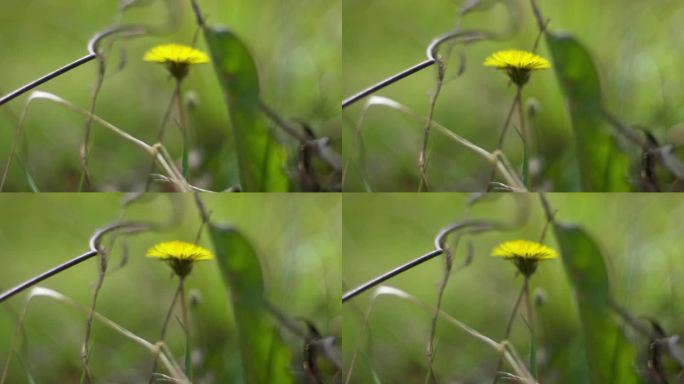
x,y
85,348
537,15
466,36
160,135
93,251
183,130
198,13
433,326
157,349
471,225
502,136
157,151
86,179
422,158
531,324
165,325
497,159
92,54
509,353
509,327
525,139
186,327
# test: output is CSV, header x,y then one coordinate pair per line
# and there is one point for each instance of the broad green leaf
x,y
609,354
602,166
261,158
265,358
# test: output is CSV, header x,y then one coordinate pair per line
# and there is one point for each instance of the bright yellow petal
x,y
176,53
514,58
524,249
179,250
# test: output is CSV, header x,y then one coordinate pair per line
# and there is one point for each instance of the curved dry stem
x,y
166,179
156,150
93,48
357,141
159,348
508,351
422,157
13,149
499,160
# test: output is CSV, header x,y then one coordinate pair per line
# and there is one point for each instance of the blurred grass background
x,y
299,252
638,235
295,44
636,46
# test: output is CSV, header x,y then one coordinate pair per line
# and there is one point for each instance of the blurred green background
x,y
295,44
636,45
640,238
299,251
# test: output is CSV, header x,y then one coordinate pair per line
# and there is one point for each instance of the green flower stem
x,y
502,135
160,136
165,325
184,134
509,327
525,139
530,321
177,99
186,328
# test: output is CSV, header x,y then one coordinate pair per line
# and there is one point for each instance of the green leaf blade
x,y
261,158
602,167
609,355
265,358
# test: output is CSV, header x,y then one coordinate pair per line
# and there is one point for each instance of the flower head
x,y
180,255
518,64
177,58
524,254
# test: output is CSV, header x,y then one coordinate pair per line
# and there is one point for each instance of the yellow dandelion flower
x,y
177,58
180,255
524,254
517,64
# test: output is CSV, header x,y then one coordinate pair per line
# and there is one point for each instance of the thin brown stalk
x,y
422,158
85,349
537,15
198,13
86,179
433,328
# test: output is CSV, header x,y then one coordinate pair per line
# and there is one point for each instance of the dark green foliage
x,y
609,355
265,359
602,166
261,158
